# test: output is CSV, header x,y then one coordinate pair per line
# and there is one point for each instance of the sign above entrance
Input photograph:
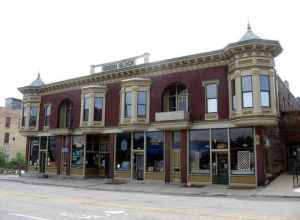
x,y
120,64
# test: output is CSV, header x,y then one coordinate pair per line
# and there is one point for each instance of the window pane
x,y
128,97
242,151
98,106
265,99
172,103
182,103
247,99
246,83
219,138
176,139
199,151
234,102
127,111
142,98
138,141
86,104
141,110
123,151
264,83
233,86
155,152
212,105
211,91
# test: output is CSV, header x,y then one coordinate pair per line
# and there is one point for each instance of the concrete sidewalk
x,y
280,187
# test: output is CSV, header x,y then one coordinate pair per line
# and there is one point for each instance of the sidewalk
x,y
280,187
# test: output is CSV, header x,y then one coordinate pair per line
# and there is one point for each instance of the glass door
x,y
138,166
220,167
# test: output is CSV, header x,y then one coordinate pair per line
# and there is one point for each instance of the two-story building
x,y
200,119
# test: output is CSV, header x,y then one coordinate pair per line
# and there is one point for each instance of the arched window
x,y
175,98
65,114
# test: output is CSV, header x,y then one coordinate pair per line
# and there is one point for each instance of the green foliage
x,y
15,163
2,158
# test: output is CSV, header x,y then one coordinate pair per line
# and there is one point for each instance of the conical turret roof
x,y
38,81
249,35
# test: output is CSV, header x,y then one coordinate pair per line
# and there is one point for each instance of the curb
x,y
201,194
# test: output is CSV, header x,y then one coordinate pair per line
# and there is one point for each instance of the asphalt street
x,y
24,202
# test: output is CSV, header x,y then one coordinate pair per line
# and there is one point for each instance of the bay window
x,y
264,90
233,94
86,103
211,98
247,91
33,116
141,104
24,116
98,108
128,103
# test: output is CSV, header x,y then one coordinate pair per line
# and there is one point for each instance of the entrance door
x,y
104,165
175,168
220,167
43,156
138,166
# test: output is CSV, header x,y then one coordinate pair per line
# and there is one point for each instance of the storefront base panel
x,y
122,174
200,179
52,170
76,172
243,180
91,172
155,176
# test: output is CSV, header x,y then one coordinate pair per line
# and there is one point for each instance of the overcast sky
x,y
62,38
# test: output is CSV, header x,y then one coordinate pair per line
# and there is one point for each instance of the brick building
x,y
205,118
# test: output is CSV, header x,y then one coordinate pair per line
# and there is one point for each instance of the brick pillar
x,y
183,155
168,142
112,155
260,157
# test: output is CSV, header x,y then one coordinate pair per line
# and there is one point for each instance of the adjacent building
x,y
11,141
208,118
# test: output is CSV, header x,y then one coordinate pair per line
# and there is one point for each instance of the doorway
x,y
220,168
175,157
65,155
42,161
138,166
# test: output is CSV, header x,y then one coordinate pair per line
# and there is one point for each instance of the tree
x,y
2,158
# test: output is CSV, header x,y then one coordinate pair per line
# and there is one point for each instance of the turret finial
x,y
249,26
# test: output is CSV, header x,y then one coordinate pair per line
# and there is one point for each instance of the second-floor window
x,y
98,108
23,116
141,104
128,103
176,98
211,98
247,92
233,94
47,115
7,122
6,138
264,90
86,103
33,116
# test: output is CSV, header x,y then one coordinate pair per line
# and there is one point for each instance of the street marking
x,y
28,216
106,214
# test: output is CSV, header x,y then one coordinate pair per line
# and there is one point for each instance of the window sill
x,y
211,116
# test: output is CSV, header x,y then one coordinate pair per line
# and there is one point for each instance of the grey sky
x,y
62,38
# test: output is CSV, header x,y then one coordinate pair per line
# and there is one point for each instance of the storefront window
x,y
219,138
138,141
52,147
123,151
34,152
92,151
155,152
242,151
199,152
77,151
176,140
